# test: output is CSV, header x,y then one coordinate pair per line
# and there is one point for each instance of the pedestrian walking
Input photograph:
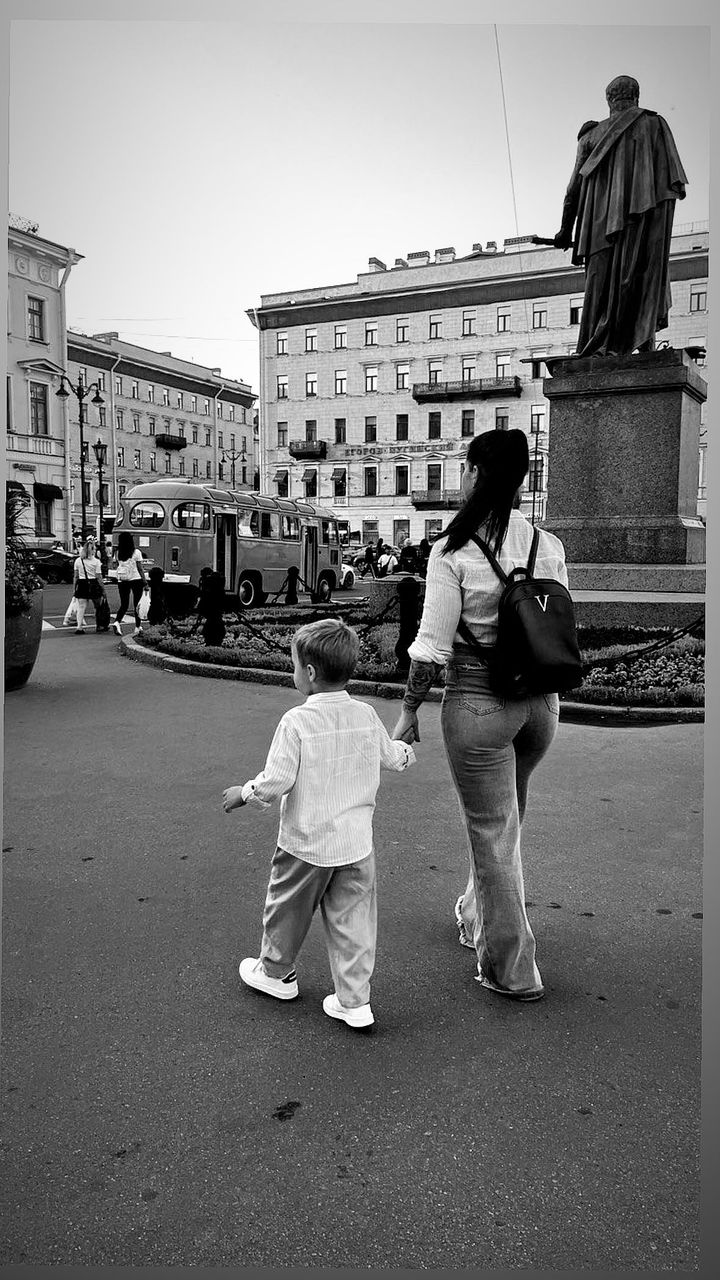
x,y
87,583
369,566
130,580
387,562
324,761
493,744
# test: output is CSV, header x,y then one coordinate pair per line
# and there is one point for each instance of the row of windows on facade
x,y
40,421
190,404
137,463
402,426
435,369
402,375
503,323
435,324
432,475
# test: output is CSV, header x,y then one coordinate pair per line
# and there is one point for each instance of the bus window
x,y
147,515
328,531
248,524
192,516
269,525
291,527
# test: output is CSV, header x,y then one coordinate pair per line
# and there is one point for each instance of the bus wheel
x,y
323,594
249,592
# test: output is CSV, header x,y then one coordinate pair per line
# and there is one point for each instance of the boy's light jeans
x,y
493,745
347,900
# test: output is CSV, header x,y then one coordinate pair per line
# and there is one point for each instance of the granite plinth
x,y
623,457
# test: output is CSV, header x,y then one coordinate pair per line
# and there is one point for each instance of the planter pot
x,y
22,641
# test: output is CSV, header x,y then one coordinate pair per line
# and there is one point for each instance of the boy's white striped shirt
x,y
464,584
324,761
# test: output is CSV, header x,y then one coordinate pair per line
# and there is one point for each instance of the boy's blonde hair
x,y
331,646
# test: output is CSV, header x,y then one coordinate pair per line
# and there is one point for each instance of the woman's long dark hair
x,y
502,459
126,545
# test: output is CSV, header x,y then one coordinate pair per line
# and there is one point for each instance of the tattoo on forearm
x,y
420,680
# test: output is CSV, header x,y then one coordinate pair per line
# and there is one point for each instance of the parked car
x,y
347,577
55,565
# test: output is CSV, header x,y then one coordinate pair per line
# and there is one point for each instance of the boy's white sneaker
x,y
253,975
362,1016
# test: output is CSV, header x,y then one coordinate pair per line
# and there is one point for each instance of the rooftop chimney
x,y
374,264
399,262
477,247
419,259
491,246
444,255
106,337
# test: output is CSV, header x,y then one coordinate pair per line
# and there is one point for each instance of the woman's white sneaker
x,y
360,1017
117,628
253,975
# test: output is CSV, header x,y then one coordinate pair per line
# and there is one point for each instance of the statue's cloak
x,y
630,166
621,199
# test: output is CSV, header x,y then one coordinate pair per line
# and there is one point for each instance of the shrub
x,y
21,576
671,676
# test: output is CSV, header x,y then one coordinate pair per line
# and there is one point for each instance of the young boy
x,y
324,761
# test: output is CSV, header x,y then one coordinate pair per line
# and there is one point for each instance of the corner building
x,y
37,442
370,392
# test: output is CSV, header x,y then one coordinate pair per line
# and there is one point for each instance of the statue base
x,y
624,438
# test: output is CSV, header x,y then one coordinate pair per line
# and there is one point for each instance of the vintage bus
x,y
252,540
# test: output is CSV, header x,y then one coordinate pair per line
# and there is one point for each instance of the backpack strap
x,y
533,552
493,561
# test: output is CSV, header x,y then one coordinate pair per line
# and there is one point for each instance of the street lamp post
x,y
100,451
232,456
81,392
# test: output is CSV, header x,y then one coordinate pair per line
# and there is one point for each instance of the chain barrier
x,y
271,643
634,654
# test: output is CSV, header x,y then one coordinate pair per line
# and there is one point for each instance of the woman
x,y
87,582
493,744
130,579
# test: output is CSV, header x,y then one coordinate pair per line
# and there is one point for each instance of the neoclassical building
x,y
370,391
37,442
161,416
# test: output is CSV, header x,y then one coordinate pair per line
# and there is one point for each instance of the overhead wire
x,y
520,254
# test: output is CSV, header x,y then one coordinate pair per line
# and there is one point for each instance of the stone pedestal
x,y
623,458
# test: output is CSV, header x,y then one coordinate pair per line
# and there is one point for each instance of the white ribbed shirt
x,y
464,584
324,761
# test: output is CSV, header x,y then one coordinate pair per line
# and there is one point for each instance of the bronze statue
x,y
617,216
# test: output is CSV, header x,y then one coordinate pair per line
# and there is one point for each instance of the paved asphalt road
x,y
157,1113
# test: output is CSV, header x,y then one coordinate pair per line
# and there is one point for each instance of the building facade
x,y
37,445
161,416
370,392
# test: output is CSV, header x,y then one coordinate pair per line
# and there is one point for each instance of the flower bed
x,y
672,676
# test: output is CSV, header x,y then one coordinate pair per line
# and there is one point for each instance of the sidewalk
x,y
157,1113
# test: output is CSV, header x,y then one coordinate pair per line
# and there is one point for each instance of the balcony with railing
x,y
438,499
307,450
48,446
467,389
164,440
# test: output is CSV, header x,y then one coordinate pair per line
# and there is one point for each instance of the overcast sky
x,y
198,165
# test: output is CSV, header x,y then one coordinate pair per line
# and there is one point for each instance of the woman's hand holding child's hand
x,y
232,798
407,728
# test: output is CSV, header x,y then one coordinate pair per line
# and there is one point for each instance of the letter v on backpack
x,y
536,650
